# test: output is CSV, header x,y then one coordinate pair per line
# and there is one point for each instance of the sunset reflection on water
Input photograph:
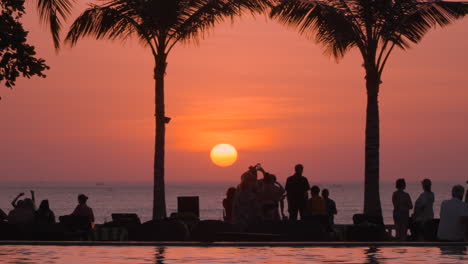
x,y
199,255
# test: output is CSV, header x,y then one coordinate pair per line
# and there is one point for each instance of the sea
x,y
117,197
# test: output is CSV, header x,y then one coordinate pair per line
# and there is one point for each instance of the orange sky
x,y
254,84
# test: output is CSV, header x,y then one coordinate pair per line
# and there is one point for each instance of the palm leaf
x,y
53,13
197,16
332,27
102,22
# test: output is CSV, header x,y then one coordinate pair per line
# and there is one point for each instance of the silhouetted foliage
x,y
375,27
53,13
160,25
17,56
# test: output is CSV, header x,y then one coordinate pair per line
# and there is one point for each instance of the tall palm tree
x,y
160,25
375,27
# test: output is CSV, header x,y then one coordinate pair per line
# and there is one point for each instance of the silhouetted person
x,y
330,206
296,192
402,205
250,176
16,203
245,210
270,195
228,204
316,205
423,209
44,215
453,217
23,213
83,210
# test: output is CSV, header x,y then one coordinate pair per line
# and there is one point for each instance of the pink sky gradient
x,y
254,84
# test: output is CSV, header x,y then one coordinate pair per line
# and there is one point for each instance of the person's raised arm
x,y
33,198
13,203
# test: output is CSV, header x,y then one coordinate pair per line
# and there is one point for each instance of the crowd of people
x,y
257,201
453,213
24,211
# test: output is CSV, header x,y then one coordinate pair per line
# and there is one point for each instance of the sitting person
x,y
270,195
83,210
330,207
453,217
22,214
316,205
44,215
228,203
17,203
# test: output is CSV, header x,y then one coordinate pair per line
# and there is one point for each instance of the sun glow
x,y
223,155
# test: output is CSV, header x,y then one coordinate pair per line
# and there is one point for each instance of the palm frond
x,y
102,22
197,16
53,13
333,27
408,21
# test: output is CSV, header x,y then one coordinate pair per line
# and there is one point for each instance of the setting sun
x,y
223,155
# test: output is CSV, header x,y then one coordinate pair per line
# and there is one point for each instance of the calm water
x,y
204,255
137,197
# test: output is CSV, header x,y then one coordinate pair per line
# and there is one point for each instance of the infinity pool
x,y
203,255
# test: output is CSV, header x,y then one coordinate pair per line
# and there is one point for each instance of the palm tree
x,y
375,27
160,25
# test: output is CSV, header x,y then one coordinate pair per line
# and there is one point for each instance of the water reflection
x,y
159,255
229,255
453,250
372,254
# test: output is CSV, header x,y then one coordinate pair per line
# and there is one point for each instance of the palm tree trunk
x,y
372,206
159,197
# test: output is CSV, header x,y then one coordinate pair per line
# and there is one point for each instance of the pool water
x,y
204,255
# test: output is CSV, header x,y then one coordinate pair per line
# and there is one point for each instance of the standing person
x,y
296,192
228,204
330,206
44,215
270,195
402,204
245,210
423,209
83,210
453,217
